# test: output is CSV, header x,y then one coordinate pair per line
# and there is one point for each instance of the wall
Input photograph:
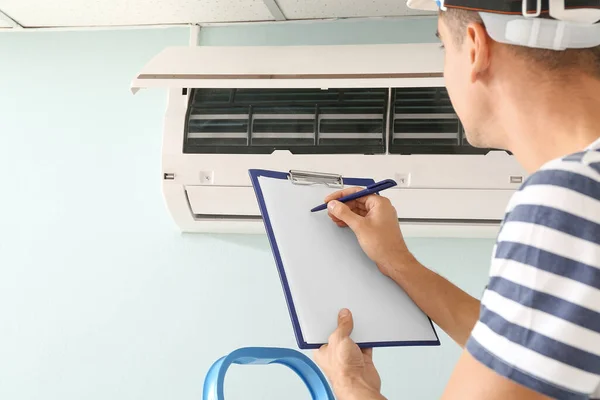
x,y
100,296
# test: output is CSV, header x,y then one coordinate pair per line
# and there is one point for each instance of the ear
x,y
478,44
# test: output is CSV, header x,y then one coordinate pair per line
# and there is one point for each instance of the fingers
x,y
345,324
366,203
319,355
341,213
319,352
374,201
357,205
353,212
342,224
342,193
367,352
339,223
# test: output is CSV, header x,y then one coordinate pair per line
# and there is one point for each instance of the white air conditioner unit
x,y
375,111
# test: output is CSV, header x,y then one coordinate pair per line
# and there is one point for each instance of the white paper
x,y
327,270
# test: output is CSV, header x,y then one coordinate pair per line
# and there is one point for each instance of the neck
x,y
551,122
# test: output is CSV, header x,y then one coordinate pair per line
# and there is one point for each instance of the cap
x,y
574,25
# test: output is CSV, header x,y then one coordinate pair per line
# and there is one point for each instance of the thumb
x,y
345,324
343,213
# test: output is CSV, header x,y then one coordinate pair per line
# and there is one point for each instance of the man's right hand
x,y
374,220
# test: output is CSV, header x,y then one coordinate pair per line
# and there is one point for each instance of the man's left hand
x,y
350,370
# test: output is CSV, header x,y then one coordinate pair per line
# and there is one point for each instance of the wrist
x,y
402,263
398,261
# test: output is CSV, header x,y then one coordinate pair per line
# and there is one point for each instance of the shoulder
x,y
563,197
577,174
540,317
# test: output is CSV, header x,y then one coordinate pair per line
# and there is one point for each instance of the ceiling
x,y
309,9
98,13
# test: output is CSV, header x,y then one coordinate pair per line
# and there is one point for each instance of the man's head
x,y
479,71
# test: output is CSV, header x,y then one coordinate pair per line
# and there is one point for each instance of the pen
x,y
372,189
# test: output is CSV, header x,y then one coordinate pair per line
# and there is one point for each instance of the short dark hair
x,y
585,60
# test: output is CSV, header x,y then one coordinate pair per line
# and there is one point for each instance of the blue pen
x,y
373,189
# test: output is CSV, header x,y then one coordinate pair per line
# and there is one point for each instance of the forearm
x,y
357,391
453,310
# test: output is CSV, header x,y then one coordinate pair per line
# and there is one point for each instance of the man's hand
x,y
374,220
350,370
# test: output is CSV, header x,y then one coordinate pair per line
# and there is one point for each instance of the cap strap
x,y
541,33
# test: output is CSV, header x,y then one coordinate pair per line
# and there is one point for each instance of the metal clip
x,y
316,178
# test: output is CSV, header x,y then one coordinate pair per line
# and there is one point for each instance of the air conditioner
x,y
376,111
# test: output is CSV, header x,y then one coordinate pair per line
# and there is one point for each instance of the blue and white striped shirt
x,y
540,316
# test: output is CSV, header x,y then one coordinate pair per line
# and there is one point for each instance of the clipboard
x,y
306,290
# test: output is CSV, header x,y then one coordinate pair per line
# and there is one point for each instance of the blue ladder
x,y
303,366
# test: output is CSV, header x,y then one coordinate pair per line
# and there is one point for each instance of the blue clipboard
x,y
255,174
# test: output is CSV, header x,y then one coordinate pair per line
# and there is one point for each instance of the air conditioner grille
x,y
423,121
328,121
304,121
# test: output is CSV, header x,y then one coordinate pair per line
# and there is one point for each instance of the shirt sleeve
x,y
540,317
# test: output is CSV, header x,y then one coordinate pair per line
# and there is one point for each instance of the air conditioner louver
x,y
424,122
303,121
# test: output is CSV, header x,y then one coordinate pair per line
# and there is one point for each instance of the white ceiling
x,y
86,13
309,9
45,13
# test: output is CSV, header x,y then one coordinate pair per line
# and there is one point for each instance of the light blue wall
x,y
100,296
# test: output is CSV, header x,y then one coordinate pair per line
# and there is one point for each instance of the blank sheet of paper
x,y
327,270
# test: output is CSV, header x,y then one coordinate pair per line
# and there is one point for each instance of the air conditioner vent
x,y
303,121
424,122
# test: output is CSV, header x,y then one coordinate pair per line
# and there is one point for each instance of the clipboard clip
x,y
316,178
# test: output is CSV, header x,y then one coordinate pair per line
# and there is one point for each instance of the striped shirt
x,y
540,314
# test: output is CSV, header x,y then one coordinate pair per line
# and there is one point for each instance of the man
x,y
531,86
